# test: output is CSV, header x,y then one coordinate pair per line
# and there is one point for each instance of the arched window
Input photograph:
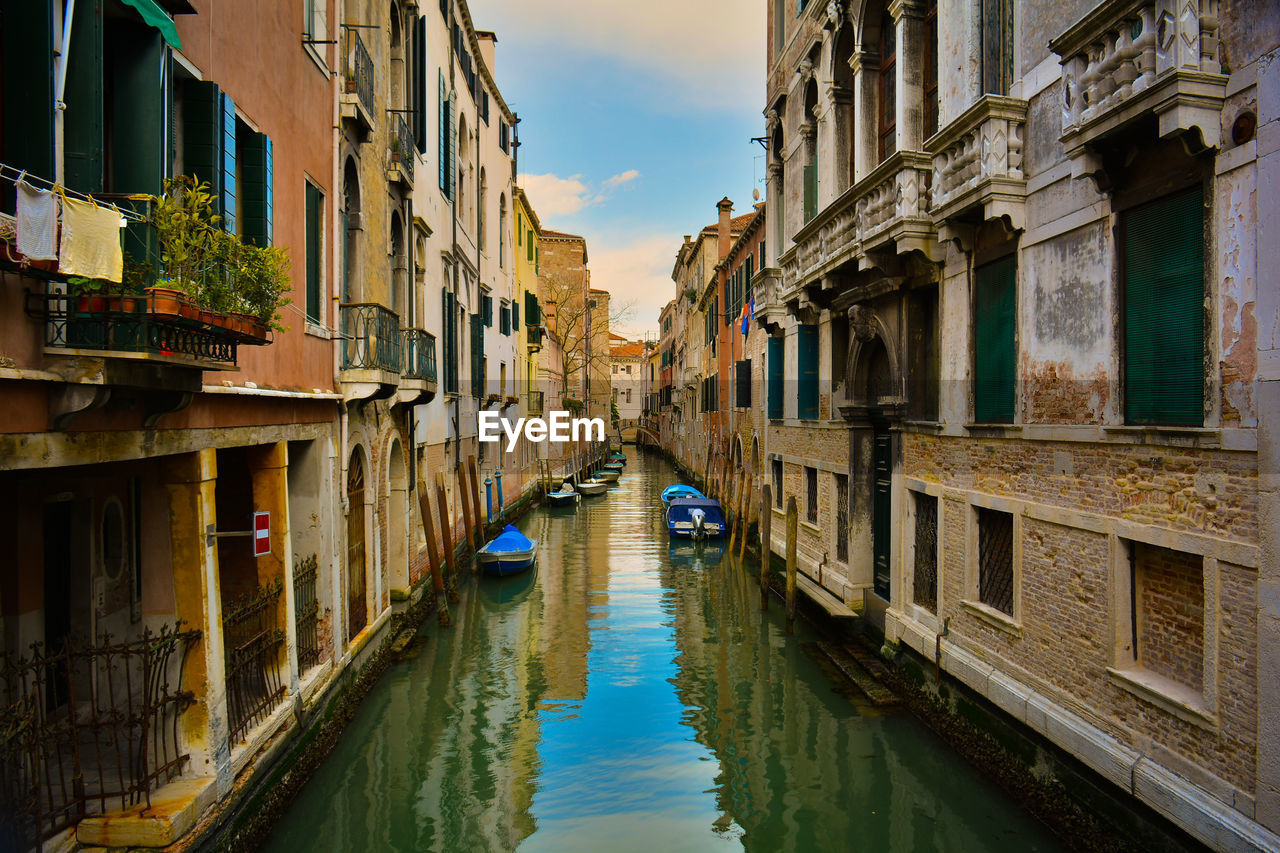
x,y
810,131
350,229
929,70
887,88
399,269
502,230
480,213
396,78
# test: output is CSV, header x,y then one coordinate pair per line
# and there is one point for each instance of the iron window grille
x,y
995,560
811,488
842,518
926,556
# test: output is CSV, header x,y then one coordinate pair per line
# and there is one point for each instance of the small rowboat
x,y
591,488
614,466
618,457
507,553
566,495
680,490
608,476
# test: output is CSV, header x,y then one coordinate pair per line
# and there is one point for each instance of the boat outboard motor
x,y
699,518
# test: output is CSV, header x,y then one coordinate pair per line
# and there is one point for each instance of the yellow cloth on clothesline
x,y
91,241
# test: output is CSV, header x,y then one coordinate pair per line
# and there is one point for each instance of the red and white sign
x,y
261,534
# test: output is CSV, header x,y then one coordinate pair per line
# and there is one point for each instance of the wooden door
x,y
357,615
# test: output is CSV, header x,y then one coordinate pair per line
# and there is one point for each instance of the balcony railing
x,y
419,355
1129,58
977,161
402,146
370,337
359,70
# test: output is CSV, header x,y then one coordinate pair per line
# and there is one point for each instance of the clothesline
x,y
12,175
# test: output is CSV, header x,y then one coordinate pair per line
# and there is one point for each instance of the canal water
x,y
630,695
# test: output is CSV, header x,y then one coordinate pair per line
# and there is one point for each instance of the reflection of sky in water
x,y
632,696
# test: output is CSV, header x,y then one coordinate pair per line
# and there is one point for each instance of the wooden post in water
x,y
735,511
433,556
793,520
475,494
464,494
766,542
446,534
747,504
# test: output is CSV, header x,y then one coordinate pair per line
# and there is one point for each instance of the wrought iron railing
x,y
402,143
419,355
253,641
359,70
306,608
370,337
128,323
88,730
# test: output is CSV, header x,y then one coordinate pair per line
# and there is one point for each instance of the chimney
x,y
726,211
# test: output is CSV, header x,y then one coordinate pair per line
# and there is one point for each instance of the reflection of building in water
x,y
775,733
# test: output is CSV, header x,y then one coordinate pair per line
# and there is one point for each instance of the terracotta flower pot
x,y
165,301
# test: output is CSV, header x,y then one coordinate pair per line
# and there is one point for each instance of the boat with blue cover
x,y
695,518
507,553
566,495
680,490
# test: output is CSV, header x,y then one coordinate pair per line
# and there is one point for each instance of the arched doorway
x,y
357,607
397,519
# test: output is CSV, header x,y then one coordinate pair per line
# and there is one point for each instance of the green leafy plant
x,y
79,285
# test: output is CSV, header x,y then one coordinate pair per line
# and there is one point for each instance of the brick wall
x,y
1171,614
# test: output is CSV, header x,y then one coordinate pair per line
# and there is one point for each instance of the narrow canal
x,y
630,695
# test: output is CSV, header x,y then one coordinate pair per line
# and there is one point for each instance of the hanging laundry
x,y
37,223
91,240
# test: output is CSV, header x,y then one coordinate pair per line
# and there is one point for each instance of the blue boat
x,y
679,490
695,518
507,553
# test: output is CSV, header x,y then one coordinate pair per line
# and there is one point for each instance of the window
x,y
477,355
1163,268
450,354
486,309
994,350
254,177
447,144
811,493
995,559
776,368
929,71
842,517
926,551
315,248
777,483
528,246
997,46
888,83
504,318
807,373
1167,589
743,375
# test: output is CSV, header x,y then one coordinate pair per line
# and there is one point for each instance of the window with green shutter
x,y
994,349
810,191
1163,262
314,226
228,165
255,189
26,123
202,141
82,127
420,84
776,374
477,355
807,372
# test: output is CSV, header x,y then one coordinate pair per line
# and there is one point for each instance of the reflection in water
x,y
632,696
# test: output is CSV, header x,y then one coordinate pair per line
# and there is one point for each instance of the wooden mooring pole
x,y
468,517
746,504
446,534
766,542
793,521
433,556
475,494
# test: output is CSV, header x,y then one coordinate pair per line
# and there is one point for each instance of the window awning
x,y
156,17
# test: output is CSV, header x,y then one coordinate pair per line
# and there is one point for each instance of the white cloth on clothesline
x,y
37,223
91,241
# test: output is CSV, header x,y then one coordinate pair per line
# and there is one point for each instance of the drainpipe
x,y
937,649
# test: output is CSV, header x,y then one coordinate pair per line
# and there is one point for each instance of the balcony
x,y
766,287
887,211
418,371
357,83
371,351
400,166
977,167
1127,60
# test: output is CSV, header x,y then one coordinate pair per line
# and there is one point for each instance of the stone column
x,y
864,64
775,214
908,17
834,145
190,481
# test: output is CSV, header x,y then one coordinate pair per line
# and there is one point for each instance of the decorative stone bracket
x,y
1128,59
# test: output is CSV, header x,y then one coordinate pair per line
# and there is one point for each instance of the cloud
x,y
620,179
683,47
553,195
635,271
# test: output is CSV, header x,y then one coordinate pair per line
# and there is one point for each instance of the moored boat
x,y
680,490
508,552
609,476
566,495
695,518
618,457
591,488
612,466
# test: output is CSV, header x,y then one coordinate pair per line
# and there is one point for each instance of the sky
x,y
635,119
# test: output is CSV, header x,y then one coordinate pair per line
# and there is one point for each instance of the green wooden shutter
x,y
26,54
807,374
453,147
137,110
227,164
810,191
83,122
1164,311
994,348
201,131
255,179
776,376
515,316
442,147
314,212
477,355
420,84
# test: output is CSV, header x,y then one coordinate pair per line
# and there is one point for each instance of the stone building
x,y
628,363
1027,353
